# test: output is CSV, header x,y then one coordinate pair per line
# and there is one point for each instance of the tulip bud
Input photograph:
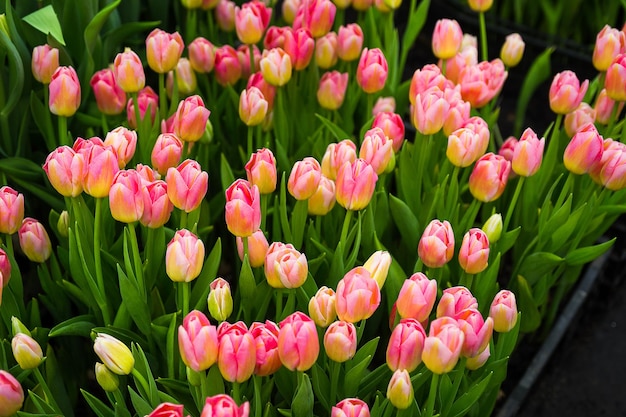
x,y
400,389
493,227
465,146
447,37
610,42
349,42
251,20
322,307
454,301
266,340
615,81
317,16
26,351
11,210
276,67
371,72
186,80
436,246
220,300
128,70
252,106
5,270
443,345
298,344
107,380
166,152
304,178
404,350
377,150
489,177
323,201
65,170
340,341
257,248
34,240
393,127
332,89
566,92
378,266
64,88
583,114
355,184
326,51
148,101
417,297
350,407
101,166
243,208
236,358
114,354
11,394
110,98
334,157
528,154
474,251
197,341
285,267
163,50
429,112
358,296
512,50
190,119
187,185
44,63
201,55
126,196
584,150
223,405
503,311
227,66
184,256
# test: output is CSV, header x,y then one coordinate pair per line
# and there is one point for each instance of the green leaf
x,y
531,318
76,326
537,264
354,376
405,221
15,74
135,301
201,288
470,397
226,173
414,25
562,235
46,21
320,383
337,132
303,399
142,407
365,351
508,239
581,256
143,367
97,405
539,71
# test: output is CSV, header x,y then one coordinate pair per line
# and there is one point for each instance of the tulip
x,y
236,358
166,152
430,111
528,154
222,405
512,50
336,154
285,267
392,126
187,185
126,198
322,307
326,51
384,105
404,350
304,178
332,89
243,54
124,142
65,171
340,341
107,380
201,55
266,341
34,240
323,200
458,114
110,97
191,119
466,57
479,360
583,114
5,271
157,206
243,208
400,389
128,70
349,42
64,88
489,177
276,67
371,73
114,354
163,50
298,345
566,92
610,42
275,36
251,20
604,108
197,341
508,148
465,146
443,345
377,150
84,146
252,106
355,184
493,227
610,172
378,266
503,311
257,248
186,80
26,351
474,251
289,10
436,245
447,37
44,63
350,407
317,16
167,410
184,256
148,101
482,82
227,66
417,297
220,300
424,79
480,5
11,394
268,90
584,150
615,81
11,210
300,46
358,296
477,332
454,301
100,170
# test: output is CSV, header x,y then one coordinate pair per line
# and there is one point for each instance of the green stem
x,y
511,208
443,67
483,36
98,261
335,369
162,97
134,244
359,331
430,403
264,198
612,119
346,226
185,290
258,407
237,392
279,304
183,220
44,386
564,191
63,131
250,137
142,381
119,399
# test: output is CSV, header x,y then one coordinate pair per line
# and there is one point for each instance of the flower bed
x,y
237,222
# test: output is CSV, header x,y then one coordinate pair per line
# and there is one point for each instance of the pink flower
x,y
220,300
236,357
610,171
443,345
447,38
251,20
371,73
227,66
349,42
336,154
11,394
377,150
64,89
110,98
186,80
148,100
157,206
610,42
508,148
454,301
184,256
225,15
322,307
615,81
393,127
358,296
482,82
400,389
163,50
252,106
222,405
323,200
124,142
332,89
101,166
268,90
528,154
512,50
566,92
243,54
350,407
44,62
266,340
404,350
326,51
384,105
340,341
300,47
126,196
480,5
584,150
503,311
276,67
128,70
436,245
166,152
355,184
201,55
604,108
489,177
5,270
65,171
583,114
285,267
465,146
424,79
430,111
257,248
474,252
304,178
197,341
458,114
187,185
191,119
243,208
417,297
34,240
298,345
168,410
261,170
477,332
317,16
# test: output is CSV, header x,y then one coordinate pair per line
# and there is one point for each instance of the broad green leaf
x,y
470,397
46,21
226,173
337,132
201,288
320,383
76,326
537,264
135,301
531,318
581,256
97,405
354,377
15,74
365,351
405,221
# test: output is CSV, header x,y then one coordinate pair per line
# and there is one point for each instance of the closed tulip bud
x,y
528,154
65,170
355,184
358,296
11,210
424,79
261,170
110,98
417,297
18,327
268,90
378,266
615,81
34,240
334,157
186,80
609,171
107,380
225,15
257,248
332,89
474,251
436,245
26,351
350,407
326,51
443,345
236,358
479,360
44,63
480,5
157,206
5,271
197,341
566,92
584,150
400,389
191,119
128,70
11,394
163,50
220,300
493,227
323,200
429,111
124,142
266,341
298,344
454,301
299,45
508,148
512,50
243,208
251,20
604,108
285,267
573,121
377,150
322,307
252,106
465,146
64,89
404,350
482,82
290,9
114,354
201,55
371,73
610,42
447,37
392,126
148,105
349,42
276,67
223,405
63,223
126,199
489,177
166,152
340,341
477,332
317,16
458,115
187,185
384,105
503,311
184,256
227,66
304,178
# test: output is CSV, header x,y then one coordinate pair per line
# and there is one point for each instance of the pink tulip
x,y
349,42
299,45
358,295
268,90
503,311
512,50
276,67
317,16
447,37
26,351
266,341
424,79
289,10
430,111
466,57
191,119
5,270
223,405
615,81
225,15
458,114
477,332
44,62
110,98
482,82
252,106
489,177
404,350
479,360
377,150
220,300
508,148
157,206
350,407
11,394
275,36
583,114
400,389
285,267
34,240
251,20
392,126
128,70
371,73
454,301
243,208
332,89
243,54
261,170
166,152
417,297
124,142
197,341
528,154
187,185
323,200
304,178
322,307
610,42
604,108
340,341
355,184
436,245
126,196
184,256
474,251
64,89
236,358
610,171
336,154
566,92
201,55
148,101
101,166
465,146
227,66
584,150
65,171
298,345
163,50
186,80
168,410
443,345
257,248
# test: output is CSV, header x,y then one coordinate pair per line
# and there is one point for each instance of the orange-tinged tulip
x,y
187,185
126,196
443,345
44,62
163,50
64,89
243,208
65,170
110,98
298,344
404,350
358,295
417,297
489,177
355,184
184,256
236,357
197,341
128,70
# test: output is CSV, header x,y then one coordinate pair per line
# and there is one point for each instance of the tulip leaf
x,y
135,301
226,173
562,235
405,221
46,21
142,407
15,75
143,367
337,132
470,397
320,384
365,351
415,23
201,288
374,380
537,264
76,326
354,376
121,410
97,405
581,256
303,400
508,239
550,222
531,317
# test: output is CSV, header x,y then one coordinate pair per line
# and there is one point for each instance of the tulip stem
x,y
612,119
335,369
98,262
183,220
443,67
483,36
258,407
564,191
162,97
509,213
264,198
184,289
63,131
430,403
9,246
46,389
346,226
250,137
136,257
237,392
119,399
